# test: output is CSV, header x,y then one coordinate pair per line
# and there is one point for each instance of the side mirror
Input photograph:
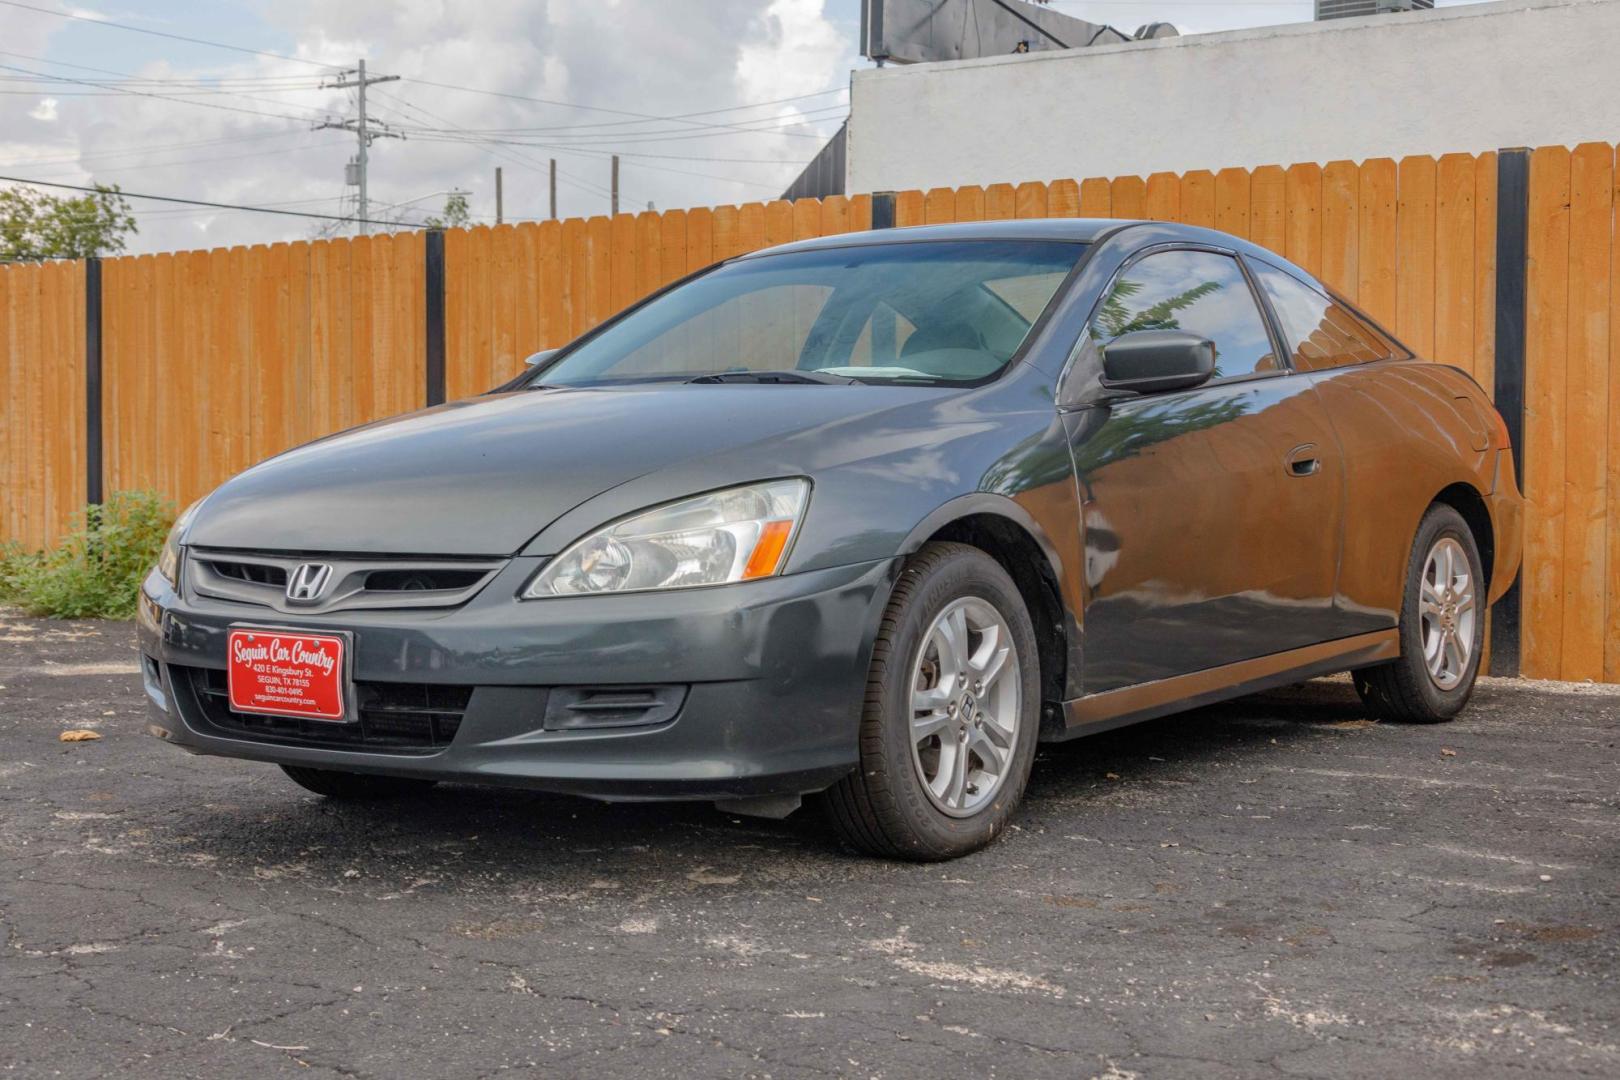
x,y
536,359
1148,361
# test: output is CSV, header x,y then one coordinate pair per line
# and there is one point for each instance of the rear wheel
x,y
952,704
1442,627
354,787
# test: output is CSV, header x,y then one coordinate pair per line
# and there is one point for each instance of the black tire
x,y
1402,690
355,787
883,808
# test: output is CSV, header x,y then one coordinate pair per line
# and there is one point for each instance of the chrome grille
x,y
355,583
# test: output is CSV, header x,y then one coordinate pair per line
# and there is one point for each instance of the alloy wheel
x,y
1447,610
965,706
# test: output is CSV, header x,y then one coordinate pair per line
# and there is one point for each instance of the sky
x,y
706,101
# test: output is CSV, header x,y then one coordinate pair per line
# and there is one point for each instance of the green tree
x,y
34,225
456,214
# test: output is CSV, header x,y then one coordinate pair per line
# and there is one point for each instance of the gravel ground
x,y
1276,886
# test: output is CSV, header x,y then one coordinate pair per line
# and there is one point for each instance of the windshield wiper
x,y
790,376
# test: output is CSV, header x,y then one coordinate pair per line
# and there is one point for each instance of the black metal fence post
x,y
1512,257
92,382
883,210
434,359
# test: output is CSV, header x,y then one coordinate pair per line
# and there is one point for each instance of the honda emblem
x,y
307,583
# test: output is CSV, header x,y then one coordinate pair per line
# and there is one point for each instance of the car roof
x,y
1075,230
1079,230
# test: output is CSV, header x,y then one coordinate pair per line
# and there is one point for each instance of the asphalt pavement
x,y
1273,887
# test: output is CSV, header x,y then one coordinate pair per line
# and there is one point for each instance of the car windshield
x,y
929,311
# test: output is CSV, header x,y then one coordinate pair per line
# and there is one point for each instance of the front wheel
x,y
950,719
1442,627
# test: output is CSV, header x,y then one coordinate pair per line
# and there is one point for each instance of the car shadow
x,y
471,838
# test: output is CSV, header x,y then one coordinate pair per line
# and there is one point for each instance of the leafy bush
x,y
97,569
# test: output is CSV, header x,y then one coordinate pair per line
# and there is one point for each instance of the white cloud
x,y
638,56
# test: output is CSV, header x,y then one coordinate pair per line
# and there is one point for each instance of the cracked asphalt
x,y
1275,886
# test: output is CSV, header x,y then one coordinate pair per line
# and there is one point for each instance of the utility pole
x,y
363,129
498,218
553,189
614,210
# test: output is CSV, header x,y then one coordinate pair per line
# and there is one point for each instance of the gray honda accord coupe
x,y
857,520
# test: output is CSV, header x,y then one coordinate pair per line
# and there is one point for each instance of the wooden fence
x,y
214,360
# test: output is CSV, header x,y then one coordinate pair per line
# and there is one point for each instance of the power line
x,y
565,104
508,155
127,150
162,34
204,160
767,125
166,97
176,199
591,129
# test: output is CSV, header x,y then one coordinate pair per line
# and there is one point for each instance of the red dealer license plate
x,y
287,673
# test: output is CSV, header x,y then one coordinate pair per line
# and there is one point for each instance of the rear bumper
x,y
770,677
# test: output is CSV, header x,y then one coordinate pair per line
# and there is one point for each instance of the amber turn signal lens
x,y
767,554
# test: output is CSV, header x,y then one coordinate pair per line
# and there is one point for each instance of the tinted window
x,y
938,310
1196,291
1319,333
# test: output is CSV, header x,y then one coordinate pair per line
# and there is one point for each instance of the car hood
x,y
483,476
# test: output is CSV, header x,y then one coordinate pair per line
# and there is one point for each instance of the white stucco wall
x,y
1459,79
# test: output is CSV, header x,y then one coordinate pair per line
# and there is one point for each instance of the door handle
x,y
1303,461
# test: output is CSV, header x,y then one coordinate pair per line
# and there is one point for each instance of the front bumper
x,y
771,676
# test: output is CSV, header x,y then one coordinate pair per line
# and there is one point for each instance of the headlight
x,y
169,561
725,536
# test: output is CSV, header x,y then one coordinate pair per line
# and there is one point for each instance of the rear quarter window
x,y
1318,331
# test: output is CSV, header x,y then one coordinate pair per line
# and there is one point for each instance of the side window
x,y
1196,291
1319,332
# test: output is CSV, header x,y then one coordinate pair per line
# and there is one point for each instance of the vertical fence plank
x,y
505,273
700,235
1029,200
970,203
806,218
1096,198
1611,620
1586,411
1341,181
1546,338
1302,216
1484,365
1268,198
553,309
751,225
1414,254
1162,198
1198,198
727,232
939,206
1454,262
834,215
1232,201
673,244
599,268
624,291
1376,258
1127,194
1063,198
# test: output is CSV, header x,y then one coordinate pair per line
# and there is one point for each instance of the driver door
x,y
1212,516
